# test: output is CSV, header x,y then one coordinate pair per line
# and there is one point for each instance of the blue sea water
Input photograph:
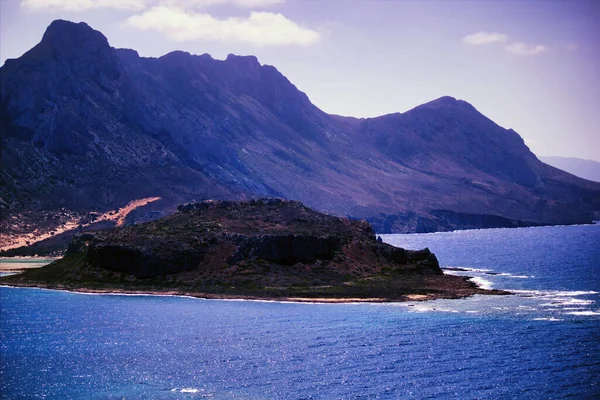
x,y
541,343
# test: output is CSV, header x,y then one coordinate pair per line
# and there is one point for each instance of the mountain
x,y
87,127
586,169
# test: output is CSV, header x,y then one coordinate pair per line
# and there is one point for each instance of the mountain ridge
x,y
580,167
90,128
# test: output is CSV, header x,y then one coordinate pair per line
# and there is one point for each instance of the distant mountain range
x,y
87,127
586,169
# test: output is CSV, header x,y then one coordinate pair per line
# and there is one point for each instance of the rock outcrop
x,y
266,248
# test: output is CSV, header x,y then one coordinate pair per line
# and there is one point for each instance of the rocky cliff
x,y
266,248
86,127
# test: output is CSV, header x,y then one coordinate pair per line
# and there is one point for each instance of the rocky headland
x,y
259,249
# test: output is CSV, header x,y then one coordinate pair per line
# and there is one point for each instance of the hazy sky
x,y
531,66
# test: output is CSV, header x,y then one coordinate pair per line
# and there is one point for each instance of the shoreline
x,y
241,297
488,228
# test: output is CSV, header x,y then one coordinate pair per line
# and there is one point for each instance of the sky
x,y
533,66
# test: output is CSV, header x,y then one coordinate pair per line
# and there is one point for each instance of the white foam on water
x,y
189,390
506,274
559,302
552,293
481,282
527,293
455,273
424,308
468,269
547,319
587,313
552,304
574,293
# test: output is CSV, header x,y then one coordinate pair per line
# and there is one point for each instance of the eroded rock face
x,y
226,238
286,249
144,262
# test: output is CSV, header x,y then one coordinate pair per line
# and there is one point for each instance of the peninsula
x,y
270,249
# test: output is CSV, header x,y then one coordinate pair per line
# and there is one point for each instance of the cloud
x,y
260,28
480,38
517,48
195,4
81,5
257,3
138,5
525,49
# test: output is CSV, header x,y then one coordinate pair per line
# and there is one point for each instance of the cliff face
x,y
89,127
229,241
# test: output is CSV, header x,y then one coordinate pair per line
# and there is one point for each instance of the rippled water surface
x,y
542,342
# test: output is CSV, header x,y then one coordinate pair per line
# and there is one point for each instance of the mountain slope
x,y
586,169
88,127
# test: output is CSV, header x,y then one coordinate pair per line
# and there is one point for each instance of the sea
x,y
541,342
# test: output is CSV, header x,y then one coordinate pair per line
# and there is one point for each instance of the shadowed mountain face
x,y
586,169
89,127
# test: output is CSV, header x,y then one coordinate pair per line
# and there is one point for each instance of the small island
x,y
269,249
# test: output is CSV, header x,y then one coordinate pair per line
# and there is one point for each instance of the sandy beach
x,y
20,264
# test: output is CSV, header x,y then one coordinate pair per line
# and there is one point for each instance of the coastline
x,y
593,223
463,293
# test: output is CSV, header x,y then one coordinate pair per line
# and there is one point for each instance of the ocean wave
x,y
506,274
484,271
574,293
553,293
467,269
569,301
481,282
586,313
422,309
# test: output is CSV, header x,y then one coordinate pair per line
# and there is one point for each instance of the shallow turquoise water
x,y
543,342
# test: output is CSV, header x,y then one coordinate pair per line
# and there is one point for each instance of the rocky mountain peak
x,y
245,61
78,37
245,67
447,102
177,55
442,101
